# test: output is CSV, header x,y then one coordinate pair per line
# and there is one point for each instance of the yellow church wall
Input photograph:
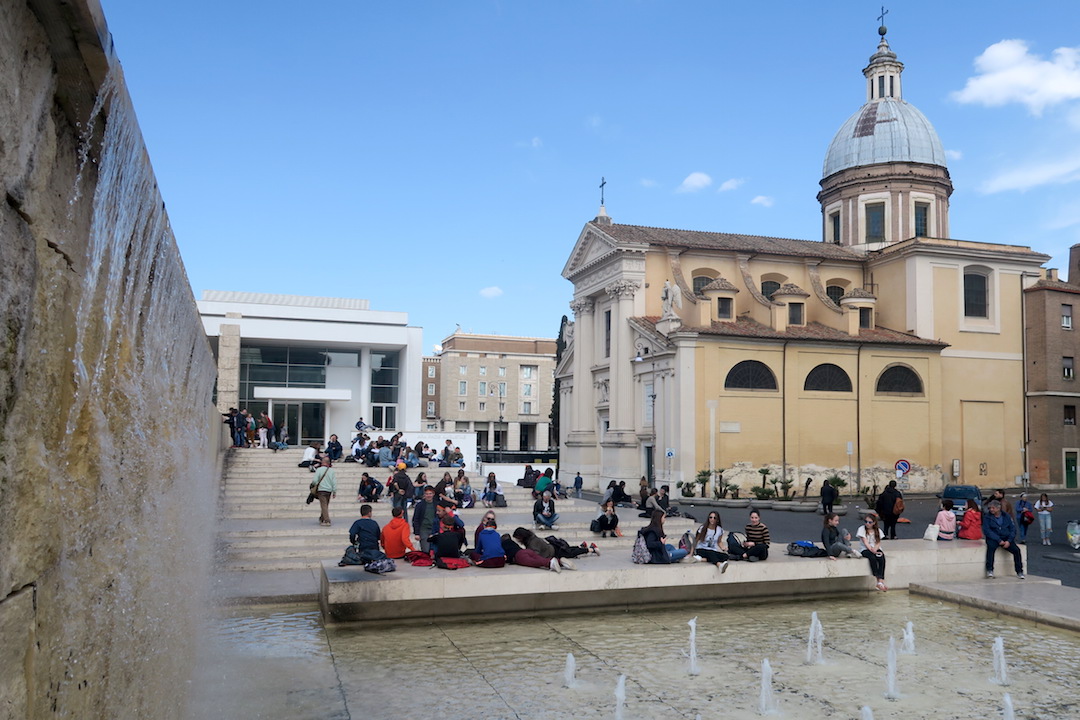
x,y
890,287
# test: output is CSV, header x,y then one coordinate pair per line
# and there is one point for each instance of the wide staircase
x,y
265,527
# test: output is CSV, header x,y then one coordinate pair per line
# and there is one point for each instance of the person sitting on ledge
x,y
1000,532
870,535
542,547
370,489
660,552
971,522
544,512
607,521
489,551
364,534
395,537
311,458
836,542
707,542
757,541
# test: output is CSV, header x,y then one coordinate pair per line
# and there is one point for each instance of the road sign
x,y
670,452
903,467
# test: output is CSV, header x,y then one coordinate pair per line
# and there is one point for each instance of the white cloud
x,y
1054,172
1008,72
537,142
731,184
954,154
491,292
763,201
646,182
694,181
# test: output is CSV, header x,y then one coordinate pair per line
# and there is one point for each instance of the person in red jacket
x,y
396,538
971,523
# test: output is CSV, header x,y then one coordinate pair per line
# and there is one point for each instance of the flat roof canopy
x,y
299,393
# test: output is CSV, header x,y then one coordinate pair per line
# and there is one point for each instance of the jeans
x,y
577,492
839,548
1046,525
676,554
991,548
877,563
546,521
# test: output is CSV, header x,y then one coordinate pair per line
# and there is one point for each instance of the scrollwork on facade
x,y
819,288
748,281
622,288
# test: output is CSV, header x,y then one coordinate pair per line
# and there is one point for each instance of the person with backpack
x,y
324,487
365,534
889,506
653,536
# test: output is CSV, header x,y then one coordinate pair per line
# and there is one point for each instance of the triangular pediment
x,y
566,362
591,248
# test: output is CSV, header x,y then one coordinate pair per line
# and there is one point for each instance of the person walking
x,y
999,530
1043,508
578,485
889,506
828,497
324,485
1025,516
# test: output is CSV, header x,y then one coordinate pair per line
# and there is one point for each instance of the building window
x,y
607,333
1070,414
795,315
976,295
899,380
481,388
483,370
526,390
431,408
528,371
431,371
463,369
922,219
875,222
866,318
827,378
891,86
1067,368
750,375
461,406
834,226
724,308
483,406
881,86
502,389
431,388
385,372
463,387
700,282
526,408
835,292
768,287
502,372
1066,317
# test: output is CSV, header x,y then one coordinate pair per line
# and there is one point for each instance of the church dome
x,y
884,130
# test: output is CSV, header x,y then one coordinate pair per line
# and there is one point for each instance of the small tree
x,y
733,489
702,479
764,476
763,493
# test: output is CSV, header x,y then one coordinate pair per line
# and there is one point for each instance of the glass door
x,y
287,421
312,422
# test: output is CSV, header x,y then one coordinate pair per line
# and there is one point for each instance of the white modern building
x,y
315,364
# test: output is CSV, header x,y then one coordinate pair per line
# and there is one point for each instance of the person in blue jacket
x,y
999,530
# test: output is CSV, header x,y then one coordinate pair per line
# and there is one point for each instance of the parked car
x,y
960,494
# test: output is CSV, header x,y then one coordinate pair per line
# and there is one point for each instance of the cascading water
x,y
1001,669
891,691
815,641
767,699
908,645
620,697
694,669
867,713
571,670
1007,712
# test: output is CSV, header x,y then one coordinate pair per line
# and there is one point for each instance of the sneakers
x,y
752,558
697,558
567,563
723,567
989,574
554,527
1020,576
880,586
594,550
554,565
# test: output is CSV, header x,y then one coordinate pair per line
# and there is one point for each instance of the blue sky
x,y
440,158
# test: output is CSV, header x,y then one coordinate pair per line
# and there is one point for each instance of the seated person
x,y
489,551
544,482
312,457
334,449
396,538
707,542
544,512
971,522
836,542
946,521
447,542
620,496
457,459
659,551
757,541
652,504
463,493
543,548
385,457
370,489
607,521
364,534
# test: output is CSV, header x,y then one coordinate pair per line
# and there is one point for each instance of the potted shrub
x,y
763,497
686,488
703,478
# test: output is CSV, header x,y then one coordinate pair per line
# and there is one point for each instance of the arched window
x,y
768,287
700,281
899,379
835,292
976,292
828,378
750,375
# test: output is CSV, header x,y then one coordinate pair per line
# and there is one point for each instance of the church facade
x,y
884,341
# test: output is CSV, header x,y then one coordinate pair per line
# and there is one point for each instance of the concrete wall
x,y
107,437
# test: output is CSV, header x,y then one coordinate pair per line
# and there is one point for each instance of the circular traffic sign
x,y
903,466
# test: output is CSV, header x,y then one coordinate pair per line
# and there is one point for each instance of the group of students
x,y
404,492
1023,515
380,452
244,426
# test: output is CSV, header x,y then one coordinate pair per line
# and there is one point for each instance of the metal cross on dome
x,y
603,182
881,17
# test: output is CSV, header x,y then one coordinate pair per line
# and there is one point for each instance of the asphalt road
x,y
1057,561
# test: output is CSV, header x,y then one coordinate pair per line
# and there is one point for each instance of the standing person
x,y
424,519
544,512
643,492
999,530
364,534
395,537
828,497
271,431
325,487
263,431
1043,508
836,542
401,487
946,521
757,541
1025,515
971,522
871,536
660,552
249,426
607,521
1006,506
889,505
578,485
707,542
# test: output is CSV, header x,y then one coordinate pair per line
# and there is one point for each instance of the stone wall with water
x,y
108,441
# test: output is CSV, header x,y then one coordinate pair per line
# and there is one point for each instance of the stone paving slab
x,y
1041,600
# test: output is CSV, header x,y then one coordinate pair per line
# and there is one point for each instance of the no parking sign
x,y
902,468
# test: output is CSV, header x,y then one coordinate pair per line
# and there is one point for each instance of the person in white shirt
x,y
707,542
1043,508
311,457
870,535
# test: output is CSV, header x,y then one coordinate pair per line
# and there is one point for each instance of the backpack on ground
x,y
500,501
805,548
351,557
381,567
594,526
451,563
686,542
640,554
417,558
